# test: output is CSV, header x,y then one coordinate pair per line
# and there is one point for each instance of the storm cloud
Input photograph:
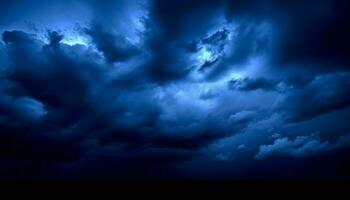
x,y
169,85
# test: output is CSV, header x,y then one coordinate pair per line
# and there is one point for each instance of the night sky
x,y
174,89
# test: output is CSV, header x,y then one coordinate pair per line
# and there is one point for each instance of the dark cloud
x,y
37,109
167,63
176,18
247,84
314,36
55,38
217,38
322,95
305,31
64,91
157,84
172,23
115,48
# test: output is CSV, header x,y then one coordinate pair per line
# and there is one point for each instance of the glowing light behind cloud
x,y
75,40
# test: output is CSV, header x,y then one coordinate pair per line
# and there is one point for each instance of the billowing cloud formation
x,y
171,84
301,146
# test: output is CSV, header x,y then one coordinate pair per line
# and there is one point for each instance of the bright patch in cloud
x,y
75,40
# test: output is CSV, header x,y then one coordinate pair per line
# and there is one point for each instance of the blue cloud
x,y
301,146
162,84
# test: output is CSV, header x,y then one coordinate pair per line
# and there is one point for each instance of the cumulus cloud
x,y
301,146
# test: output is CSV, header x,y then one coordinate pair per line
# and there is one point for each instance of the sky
x,y
178,89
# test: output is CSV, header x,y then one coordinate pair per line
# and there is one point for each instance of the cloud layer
x,y
171,85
